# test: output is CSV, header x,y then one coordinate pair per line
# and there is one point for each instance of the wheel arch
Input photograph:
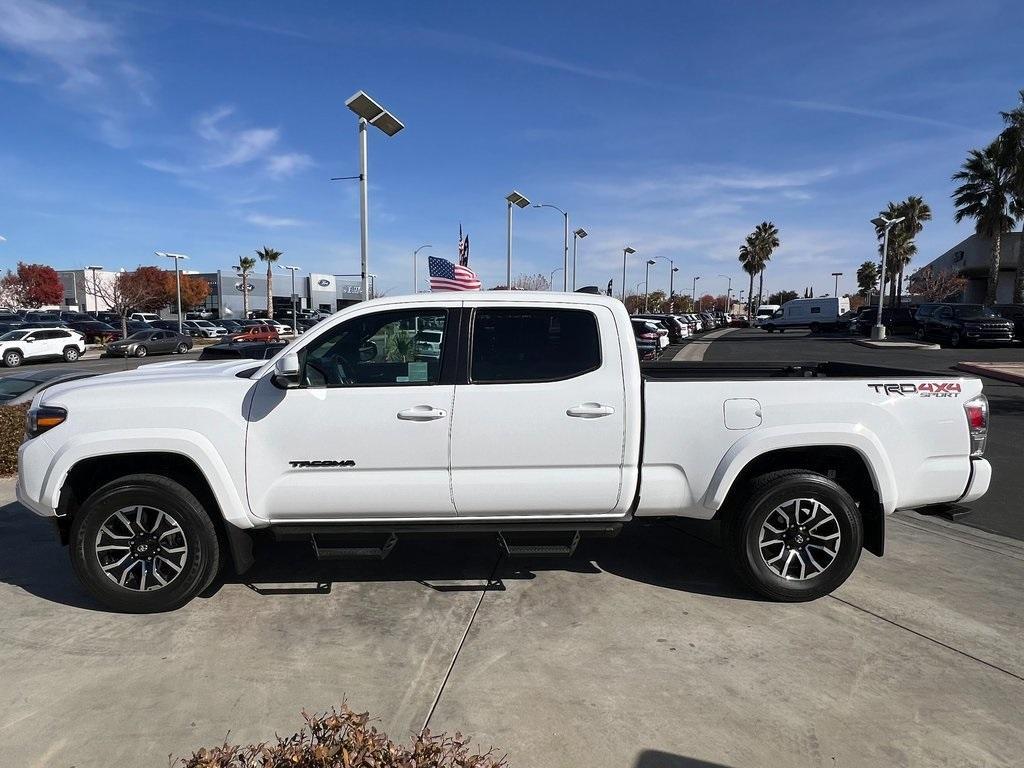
x,y
865,477
90,473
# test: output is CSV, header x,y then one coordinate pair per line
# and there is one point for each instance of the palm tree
x,y
749,260
269,255
765,239
1013,137
246,264
985,196
915,212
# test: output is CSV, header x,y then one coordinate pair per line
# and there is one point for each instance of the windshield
x,y
140,335
974,310
11,387
13,335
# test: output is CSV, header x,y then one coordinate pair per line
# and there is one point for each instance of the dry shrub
x,y
345,739
12,432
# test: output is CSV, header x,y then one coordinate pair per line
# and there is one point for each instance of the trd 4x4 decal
x,y
927,389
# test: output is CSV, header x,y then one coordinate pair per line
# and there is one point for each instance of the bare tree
x,y
531,283
936,285
125,293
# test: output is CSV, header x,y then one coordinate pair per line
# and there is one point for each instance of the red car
x,y
256,333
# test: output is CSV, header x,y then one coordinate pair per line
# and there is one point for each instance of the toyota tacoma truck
x,y
532,421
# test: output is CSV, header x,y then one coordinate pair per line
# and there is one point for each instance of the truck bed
x,y
671,370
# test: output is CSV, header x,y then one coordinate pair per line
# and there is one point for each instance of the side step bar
x,y
366,551
522,546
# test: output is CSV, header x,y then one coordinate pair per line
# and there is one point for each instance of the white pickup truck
x,y
532,419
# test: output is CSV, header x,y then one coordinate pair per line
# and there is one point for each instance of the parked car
x,y
673,326
899,321
168,325
231,326
21,388
1015,314
35,316
69,316
428,344
155,342
546,418
134,326
764,312
819,314
146,317
257,332
110,318
959,324
709,321
39,344
203,329
95,332
921,314
252,350
648,342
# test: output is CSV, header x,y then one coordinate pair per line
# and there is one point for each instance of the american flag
x,y
445,276
463,248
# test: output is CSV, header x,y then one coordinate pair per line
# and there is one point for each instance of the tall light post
x,y
878,331
177,277
295,322
728,292
551,280
695,279
565,243
647,285
95,284
520,201
372,113
837,275
415,280
672,269
579,234
625,252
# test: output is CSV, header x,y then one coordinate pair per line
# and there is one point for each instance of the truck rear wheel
x,y
143,544
796,536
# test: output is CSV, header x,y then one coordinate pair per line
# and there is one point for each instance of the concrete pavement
x,y
640,651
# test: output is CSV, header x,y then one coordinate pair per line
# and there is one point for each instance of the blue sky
x,y
674,127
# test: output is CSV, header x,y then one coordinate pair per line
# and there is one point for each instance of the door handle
x,y
590,411
422,413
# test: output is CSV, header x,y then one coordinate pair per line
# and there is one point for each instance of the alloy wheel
x,y
141,548
799,539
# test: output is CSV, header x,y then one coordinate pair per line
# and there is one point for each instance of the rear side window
x,y
532,344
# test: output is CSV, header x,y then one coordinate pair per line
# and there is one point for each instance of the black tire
x,y
182,348
199,563
71,354
12,358
770,328
955,339
919,334
815,328
759,502
141,351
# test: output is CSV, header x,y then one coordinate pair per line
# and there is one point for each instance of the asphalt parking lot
x,y
640,651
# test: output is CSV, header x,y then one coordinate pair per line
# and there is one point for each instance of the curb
x,y
995,371
895,344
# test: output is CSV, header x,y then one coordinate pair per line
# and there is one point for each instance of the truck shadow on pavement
x,y
680,555
654,758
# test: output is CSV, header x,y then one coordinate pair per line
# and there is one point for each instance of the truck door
x,y
366,434
539,424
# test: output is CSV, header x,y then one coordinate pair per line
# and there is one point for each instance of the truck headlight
x,y
43,419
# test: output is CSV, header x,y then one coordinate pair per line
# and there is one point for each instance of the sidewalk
x,y
641,651
1012,372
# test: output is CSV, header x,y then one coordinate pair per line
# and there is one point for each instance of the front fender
x,y
762,441
187,443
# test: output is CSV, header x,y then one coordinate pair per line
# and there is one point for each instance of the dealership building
x,y
971,259
327,293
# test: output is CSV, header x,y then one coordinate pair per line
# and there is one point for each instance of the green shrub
x,y
12,432
345,739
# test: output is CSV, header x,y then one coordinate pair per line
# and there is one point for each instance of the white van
x,y
816,314
763,313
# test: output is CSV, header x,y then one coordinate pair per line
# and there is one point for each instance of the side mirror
x,y
368,352
286,371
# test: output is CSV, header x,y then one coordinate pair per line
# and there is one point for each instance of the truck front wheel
x,y
796,535
143,544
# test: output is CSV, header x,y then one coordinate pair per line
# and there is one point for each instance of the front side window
x,y
401,347
530,344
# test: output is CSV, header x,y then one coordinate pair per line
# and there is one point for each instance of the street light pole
x,y
647,286
295,322
837,275
579,234
695,279
551,280
728,292
878,331
177,277
369,112
514,198
565,243
415,280
95,285
625,251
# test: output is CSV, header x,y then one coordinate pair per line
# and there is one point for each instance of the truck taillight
x,y
976,410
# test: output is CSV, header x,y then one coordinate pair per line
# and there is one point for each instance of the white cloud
x,y
80,56
287,164
3,239
272,222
